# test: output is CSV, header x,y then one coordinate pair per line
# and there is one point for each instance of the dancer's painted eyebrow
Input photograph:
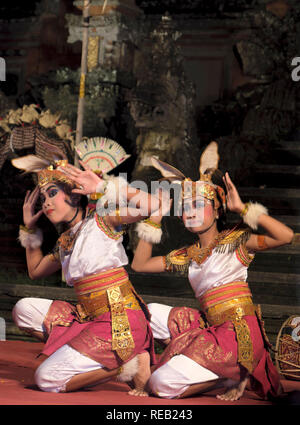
x,y
50,187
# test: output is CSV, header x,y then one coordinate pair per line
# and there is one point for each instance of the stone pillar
x,y
111,33
111,49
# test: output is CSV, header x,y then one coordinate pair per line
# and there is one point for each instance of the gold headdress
x,y
202,187
100,154
46,170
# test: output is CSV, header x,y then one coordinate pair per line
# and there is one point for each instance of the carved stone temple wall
x,y
230,54
165,77
124,44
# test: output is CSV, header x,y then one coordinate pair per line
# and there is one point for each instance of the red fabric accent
x,y
60,313
102,275
183,319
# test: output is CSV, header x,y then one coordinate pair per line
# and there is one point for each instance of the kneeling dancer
x,y
107,334
223,343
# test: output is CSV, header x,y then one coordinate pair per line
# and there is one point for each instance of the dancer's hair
x,y
217,179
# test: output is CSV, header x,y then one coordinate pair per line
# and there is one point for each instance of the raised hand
x,y
234,202
165,206
87,179
29,217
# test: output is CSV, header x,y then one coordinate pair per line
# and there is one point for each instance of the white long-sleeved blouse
x,y
97,248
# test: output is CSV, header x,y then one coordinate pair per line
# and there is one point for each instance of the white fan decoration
x,y
101,154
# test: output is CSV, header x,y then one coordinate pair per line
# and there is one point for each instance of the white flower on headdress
x,y
48,120
14,116
29,114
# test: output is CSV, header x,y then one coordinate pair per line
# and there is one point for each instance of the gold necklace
x,y
198,254
67,239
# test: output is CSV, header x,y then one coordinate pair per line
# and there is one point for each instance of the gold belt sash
x,y
231,302
109,291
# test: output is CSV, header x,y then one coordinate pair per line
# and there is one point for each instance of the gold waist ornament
x,y
98,302
234,309
95,299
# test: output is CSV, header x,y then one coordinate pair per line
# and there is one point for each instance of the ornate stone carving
x,y
161,104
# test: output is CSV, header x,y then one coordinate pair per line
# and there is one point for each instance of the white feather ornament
x,y
167,170
209,158
30,163
101,154
148,233
31,240
255,210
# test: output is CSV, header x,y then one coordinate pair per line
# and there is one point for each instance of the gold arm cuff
x,y
244,212
118,216
152,223
296,239
27,230
95,196
53,257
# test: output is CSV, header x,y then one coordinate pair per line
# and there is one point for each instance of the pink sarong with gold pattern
x,y
226,337
109,324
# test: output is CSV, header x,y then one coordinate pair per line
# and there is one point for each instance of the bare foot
x,y
235,392
142,376
137,392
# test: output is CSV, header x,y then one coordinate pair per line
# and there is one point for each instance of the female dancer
x,y
107,334
225,339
